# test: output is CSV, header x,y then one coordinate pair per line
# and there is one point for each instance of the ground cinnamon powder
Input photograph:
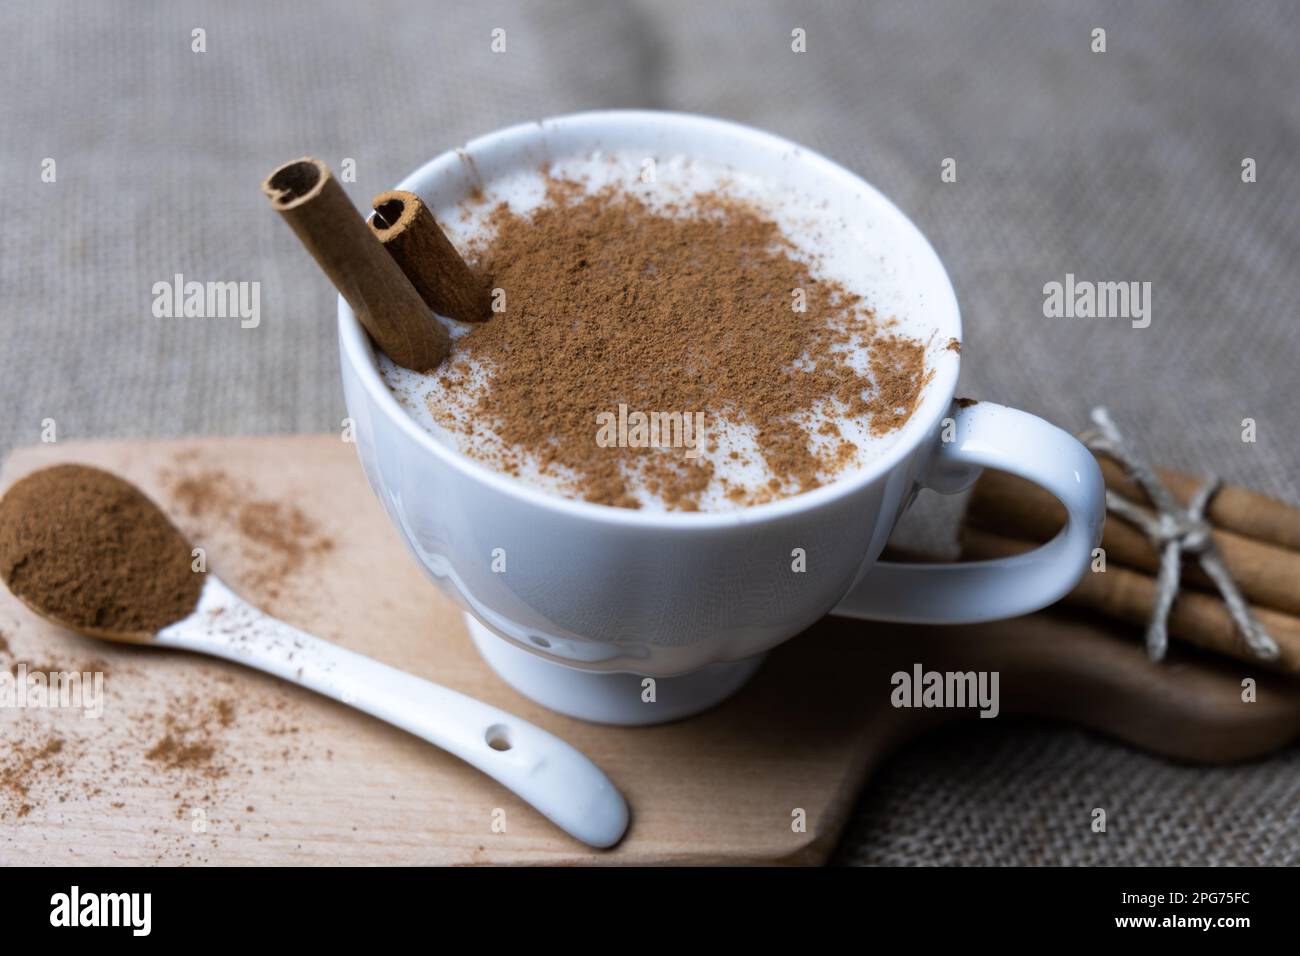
x,y
89,549
688,306
274,539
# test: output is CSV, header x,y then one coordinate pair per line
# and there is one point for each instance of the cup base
x,y
606,698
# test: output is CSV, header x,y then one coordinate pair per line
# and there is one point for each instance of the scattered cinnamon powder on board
x,y
276,537
192,736
91,550
21,764
194,748
684,308
173,752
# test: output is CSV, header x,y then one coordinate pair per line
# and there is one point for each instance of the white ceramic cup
x,y
593,597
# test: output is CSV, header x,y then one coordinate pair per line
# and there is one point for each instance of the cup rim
x,y
359,351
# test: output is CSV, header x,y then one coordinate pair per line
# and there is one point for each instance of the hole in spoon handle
x,y
498,737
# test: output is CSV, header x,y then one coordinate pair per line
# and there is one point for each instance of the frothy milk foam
x,y
845,251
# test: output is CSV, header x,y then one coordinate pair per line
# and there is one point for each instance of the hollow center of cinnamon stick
x,y
294,181
388,213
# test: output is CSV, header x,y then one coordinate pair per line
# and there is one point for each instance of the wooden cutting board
x,y
201,761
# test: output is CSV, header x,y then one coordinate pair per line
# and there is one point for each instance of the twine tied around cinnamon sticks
x,y
1173,530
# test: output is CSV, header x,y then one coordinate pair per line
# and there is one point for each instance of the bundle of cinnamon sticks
x,y
1258,538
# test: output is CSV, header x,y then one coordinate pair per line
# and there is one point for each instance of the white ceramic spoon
x,y
564,785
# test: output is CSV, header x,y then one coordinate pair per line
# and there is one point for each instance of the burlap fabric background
x,y
1117,166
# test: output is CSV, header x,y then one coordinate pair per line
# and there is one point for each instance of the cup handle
x,y
985,435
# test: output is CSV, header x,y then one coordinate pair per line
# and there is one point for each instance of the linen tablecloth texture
x,y
1122,165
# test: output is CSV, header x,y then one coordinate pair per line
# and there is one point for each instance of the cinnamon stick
x,y
1126,595
1232,508
314,205
1266,574
417,243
